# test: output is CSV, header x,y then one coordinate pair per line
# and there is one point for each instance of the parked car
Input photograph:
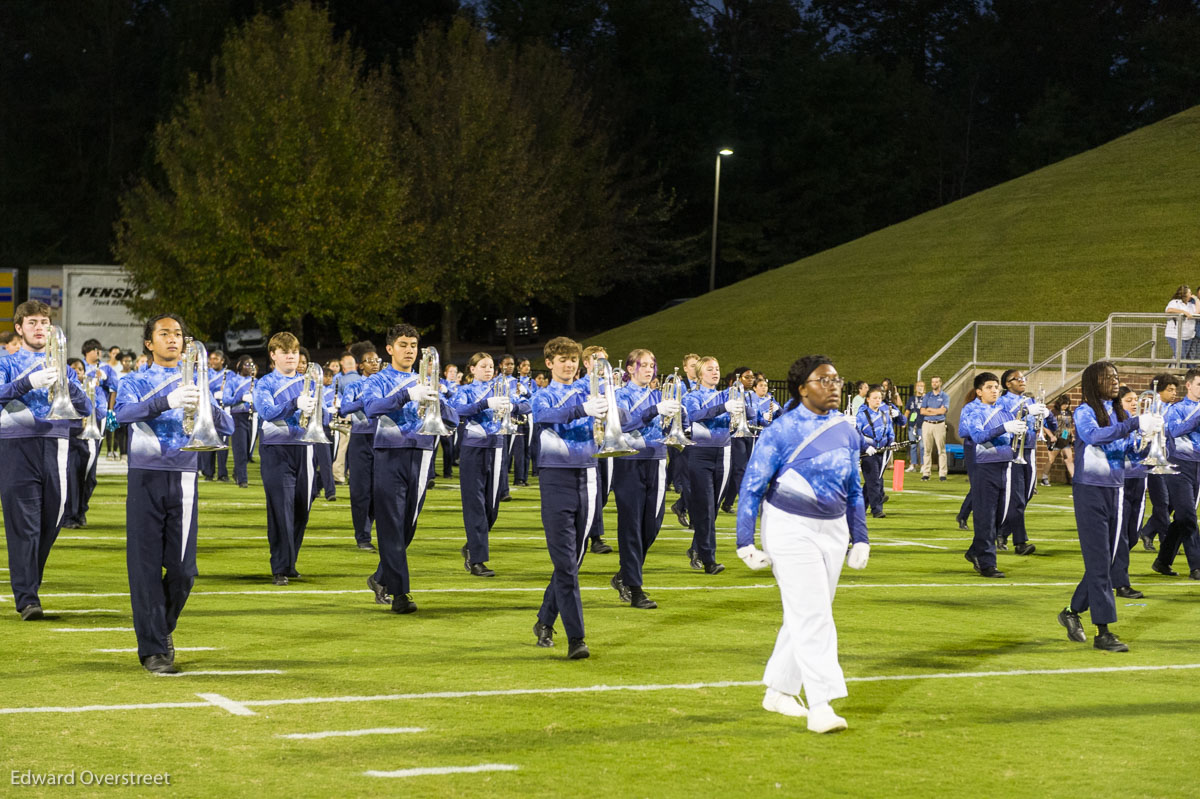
x,y
527,330
245,340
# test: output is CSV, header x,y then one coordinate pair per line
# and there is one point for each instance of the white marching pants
x,y
807,556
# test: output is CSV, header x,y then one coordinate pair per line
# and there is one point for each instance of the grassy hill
x,y
1116,228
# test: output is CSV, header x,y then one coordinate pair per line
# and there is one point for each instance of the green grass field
x,y
1112,229
954,681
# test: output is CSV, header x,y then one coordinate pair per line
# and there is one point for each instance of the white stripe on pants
x,y
807,556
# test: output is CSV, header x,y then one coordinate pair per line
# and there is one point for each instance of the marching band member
x,y
1134,505
322,453
481,409
216,462
1183,444
33,492
1156,484
603,471
403,461
874,424
348,375
450,444
739,448
523,388
505,368
1020,486
360,452
640,480
563,417
287,462
805,467
161,507
990,429
86,453
677,470
239,399
766,408
708,461
1104,431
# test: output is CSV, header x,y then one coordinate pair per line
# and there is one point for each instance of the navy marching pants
x,y
1183,491
1098,512
160,552
989,483
447,445
964,510
739,456
479,478
210,462
640,486
568,508
520,453
680,481
1018,491
360,462
708,469
603,470
240,443
1131,519
33,495
508,443
872,471
1160,515
323,455
287,474
82,455
400,479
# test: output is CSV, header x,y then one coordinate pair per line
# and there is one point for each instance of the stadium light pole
x,y
712,268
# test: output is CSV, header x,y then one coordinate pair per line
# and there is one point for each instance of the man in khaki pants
x,y
934,406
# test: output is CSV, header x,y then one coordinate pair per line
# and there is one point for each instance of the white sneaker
x,y
778,702
910,469
821,718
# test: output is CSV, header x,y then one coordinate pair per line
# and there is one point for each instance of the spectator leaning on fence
x,y
1181,327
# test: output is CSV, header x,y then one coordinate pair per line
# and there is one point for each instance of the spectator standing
x,y
914,422
934,407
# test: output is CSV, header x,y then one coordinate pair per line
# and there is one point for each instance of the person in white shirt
x,y
1181,324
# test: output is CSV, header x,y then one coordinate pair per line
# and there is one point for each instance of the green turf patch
x,y
465,669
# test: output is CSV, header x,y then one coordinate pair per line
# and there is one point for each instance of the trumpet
x,y
500,388
198,423
1154,446
339,423
672,389
430,411
312,421
59,393
1019,438
610,440
738,426
91,430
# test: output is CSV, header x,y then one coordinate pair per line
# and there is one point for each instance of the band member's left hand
x,y
754,557
421,393
306,404
858,555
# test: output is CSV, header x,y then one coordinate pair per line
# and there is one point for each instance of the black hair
x,y
73,361
508,357
148,330
359,349
1093,397
871,389
1121,392
220,353
241,361
402,329
798,375
1004,378
741,370
984,377
89,345
304,353
1191,373
1165,380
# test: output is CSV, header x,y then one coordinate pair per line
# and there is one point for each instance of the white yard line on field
x,y
439,770
312,736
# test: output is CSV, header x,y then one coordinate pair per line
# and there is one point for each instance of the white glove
x,y
871,451
418,393
1039,410
247,398
735,406
596,407
858,555
1014,426
754,557
43,377
499,403
187,397
306,403
668,407
1150,424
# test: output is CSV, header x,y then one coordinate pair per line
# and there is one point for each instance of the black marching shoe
x,y
292,574
243,485
402,603
366,546
972,560
1002,544
1148,543
1126,592
682,516
638,599
160,664
990,571
599,547
924,479
171,646
694,560
381,592
1109,643
619,585
222,479
481,570
279,579
466,557
1163,569
577,649
545,635
714,568
962,523
1194,574
1070,619
878,514
31,612
1025,549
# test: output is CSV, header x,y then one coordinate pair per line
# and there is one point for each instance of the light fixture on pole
x,y
712,269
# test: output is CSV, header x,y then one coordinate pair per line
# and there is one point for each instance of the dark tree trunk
x,y
571,318
447,354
